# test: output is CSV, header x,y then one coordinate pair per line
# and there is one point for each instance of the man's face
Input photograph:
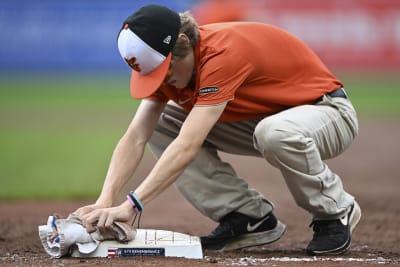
x,y
181,71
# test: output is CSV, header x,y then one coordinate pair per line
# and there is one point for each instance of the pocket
x,y
346,110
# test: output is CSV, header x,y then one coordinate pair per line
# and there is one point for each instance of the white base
x,y
149,242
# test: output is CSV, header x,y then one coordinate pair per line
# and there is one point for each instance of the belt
x,y
337,93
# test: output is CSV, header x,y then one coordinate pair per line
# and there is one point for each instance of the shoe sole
x,y
255,239
354,219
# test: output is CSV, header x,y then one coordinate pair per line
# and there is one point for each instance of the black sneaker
x,y
332,237
238,231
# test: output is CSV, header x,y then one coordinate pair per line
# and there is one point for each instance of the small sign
x,y
131,252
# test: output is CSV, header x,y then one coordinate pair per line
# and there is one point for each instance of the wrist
x,y
132,204
135,202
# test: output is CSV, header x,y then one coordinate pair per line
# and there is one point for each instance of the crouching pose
x,y
243,88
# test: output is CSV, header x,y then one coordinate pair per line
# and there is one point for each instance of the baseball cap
x,y
145,42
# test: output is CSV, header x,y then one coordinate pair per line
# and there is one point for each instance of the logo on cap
x,y
132,64
167,39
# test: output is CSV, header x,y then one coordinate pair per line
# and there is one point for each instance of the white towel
x,y
59,235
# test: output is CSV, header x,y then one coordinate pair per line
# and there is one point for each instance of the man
x,y
242,88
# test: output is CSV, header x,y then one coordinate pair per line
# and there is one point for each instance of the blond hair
x,y
189,27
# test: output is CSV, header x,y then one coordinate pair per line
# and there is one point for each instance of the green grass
x,y
57,133
374,95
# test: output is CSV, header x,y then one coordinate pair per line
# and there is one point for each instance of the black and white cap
x,y
145,42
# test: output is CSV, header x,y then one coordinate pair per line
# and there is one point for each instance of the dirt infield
x,y
369,170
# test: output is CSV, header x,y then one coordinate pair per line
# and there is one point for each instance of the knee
x,y
270,135
162,136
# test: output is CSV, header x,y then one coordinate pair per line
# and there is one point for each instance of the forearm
x,y
124,161
171,164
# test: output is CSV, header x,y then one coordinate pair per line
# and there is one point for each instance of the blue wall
x,y
65,35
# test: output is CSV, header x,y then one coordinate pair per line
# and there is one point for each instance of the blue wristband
x,y
132,203
136,200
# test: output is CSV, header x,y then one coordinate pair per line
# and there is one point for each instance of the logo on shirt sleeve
x,y
209,89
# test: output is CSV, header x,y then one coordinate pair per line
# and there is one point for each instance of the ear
x,y
184,38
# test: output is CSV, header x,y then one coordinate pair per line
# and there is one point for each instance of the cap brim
x,y
143,86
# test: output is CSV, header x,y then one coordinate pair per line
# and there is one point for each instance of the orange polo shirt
x,y
259,68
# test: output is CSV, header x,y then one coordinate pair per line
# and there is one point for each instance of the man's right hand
x,y
87,209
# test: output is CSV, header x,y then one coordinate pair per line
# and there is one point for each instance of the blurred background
x,y
64,97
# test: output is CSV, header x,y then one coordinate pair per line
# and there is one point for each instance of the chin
x,y
179,86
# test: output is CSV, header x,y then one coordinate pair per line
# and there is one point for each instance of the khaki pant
x,y
296,141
